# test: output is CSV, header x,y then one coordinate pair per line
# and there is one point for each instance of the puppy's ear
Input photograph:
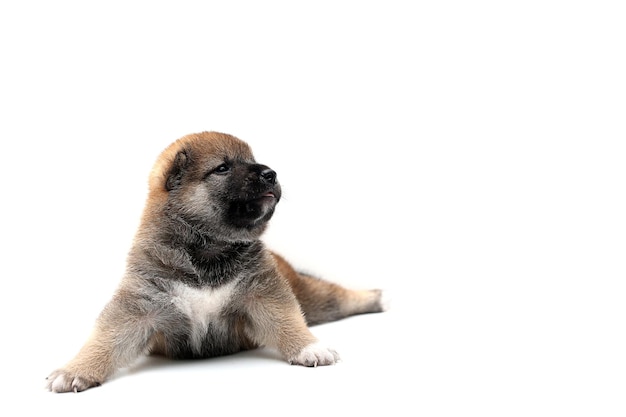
x,y
177,170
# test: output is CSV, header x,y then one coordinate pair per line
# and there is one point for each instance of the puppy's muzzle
x,y
262,173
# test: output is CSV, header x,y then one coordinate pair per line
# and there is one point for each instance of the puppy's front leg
x,y
276,320
118,338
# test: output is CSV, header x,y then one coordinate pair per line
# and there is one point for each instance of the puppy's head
x,y
211,182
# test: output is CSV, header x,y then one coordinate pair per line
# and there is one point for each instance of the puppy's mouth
x,y
267,200
254,209
268,195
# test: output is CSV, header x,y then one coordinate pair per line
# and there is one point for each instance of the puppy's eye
x,y
222,169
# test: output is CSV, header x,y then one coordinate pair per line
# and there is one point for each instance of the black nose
x,y
268,175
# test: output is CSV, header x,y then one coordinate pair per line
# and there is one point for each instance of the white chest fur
x,y
202,305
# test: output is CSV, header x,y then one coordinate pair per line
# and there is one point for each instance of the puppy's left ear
x,y
177,170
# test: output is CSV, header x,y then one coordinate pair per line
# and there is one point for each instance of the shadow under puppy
x,y
199,282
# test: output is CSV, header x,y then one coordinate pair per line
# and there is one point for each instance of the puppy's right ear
x,y
177,170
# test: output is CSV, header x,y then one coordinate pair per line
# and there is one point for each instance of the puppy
x,y
199,282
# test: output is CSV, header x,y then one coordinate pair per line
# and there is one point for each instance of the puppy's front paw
x,y
63,381
314,355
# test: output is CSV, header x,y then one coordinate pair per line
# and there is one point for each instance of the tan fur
x,y
199,282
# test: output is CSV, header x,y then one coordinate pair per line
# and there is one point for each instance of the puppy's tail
x,y
323,301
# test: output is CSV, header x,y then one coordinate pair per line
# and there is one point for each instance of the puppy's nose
x,y
268,175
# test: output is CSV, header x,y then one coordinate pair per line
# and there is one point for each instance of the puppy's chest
x,y
202,305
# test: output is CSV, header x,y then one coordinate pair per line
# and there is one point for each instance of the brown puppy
x,y
199,282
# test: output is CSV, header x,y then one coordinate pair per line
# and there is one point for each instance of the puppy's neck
x,y
193,239
217,262
211,250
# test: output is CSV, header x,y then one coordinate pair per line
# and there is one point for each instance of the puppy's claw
x,y
62,381
314,355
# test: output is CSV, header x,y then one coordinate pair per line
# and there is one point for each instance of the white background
x,y
466,156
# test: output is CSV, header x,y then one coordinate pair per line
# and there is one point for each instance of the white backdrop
x,y
466,156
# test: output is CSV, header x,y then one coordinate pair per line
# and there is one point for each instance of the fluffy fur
x,y
199,282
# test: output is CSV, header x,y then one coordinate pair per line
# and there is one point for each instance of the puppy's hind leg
x,y
324,301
